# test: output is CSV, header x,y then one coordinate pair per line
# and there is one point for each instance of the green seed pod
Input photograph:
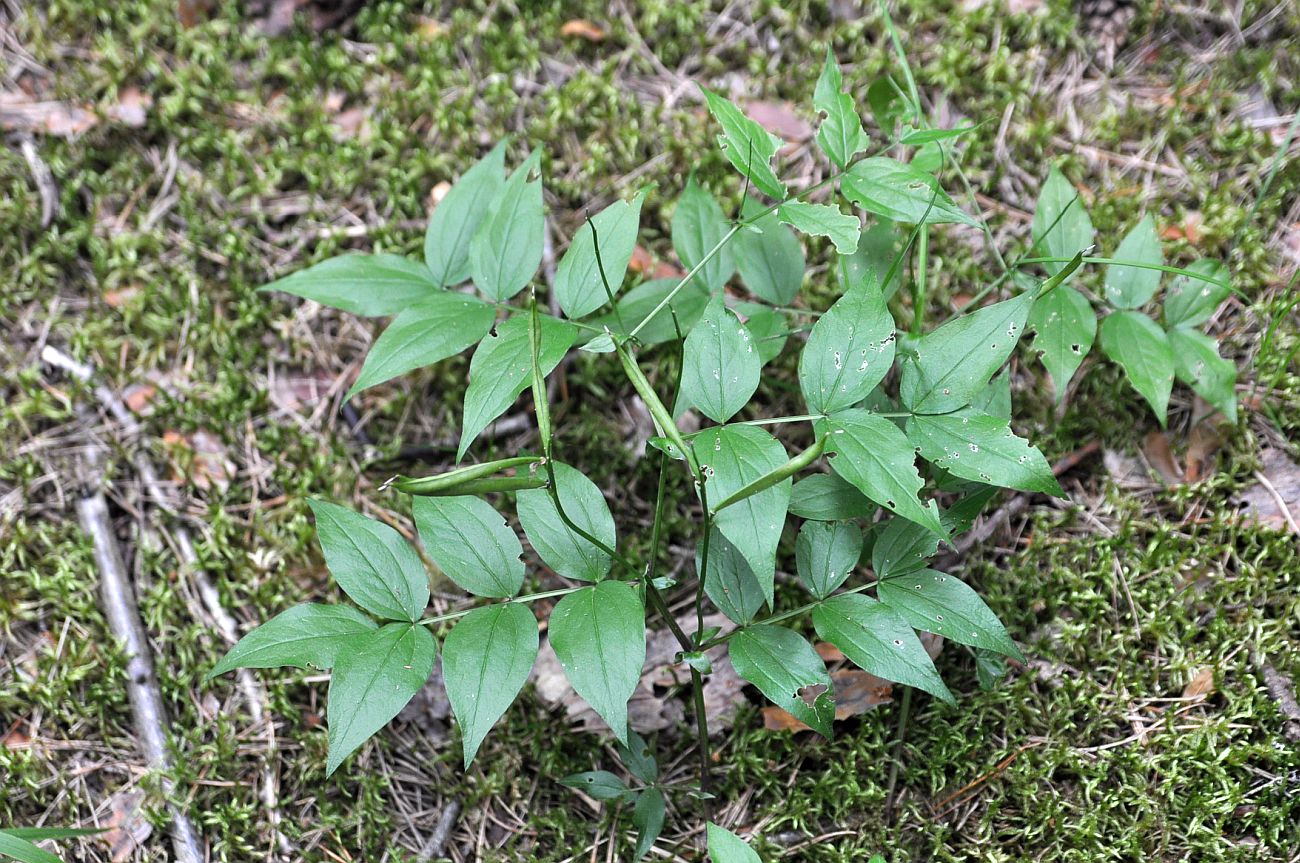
x,y
767,480
457,481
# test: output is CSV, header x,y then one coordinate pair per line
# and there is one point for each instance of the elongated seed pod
x,y
661,415
450,482
767,480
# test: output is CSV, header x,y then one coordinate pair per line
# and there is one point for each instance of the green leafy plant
x,y
18,843
876,398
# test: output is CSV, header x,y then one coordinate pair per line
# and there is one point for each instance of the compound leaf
x,y
308,634
486,660
729,580
471,543
372,563
828,497
786,669
372,681
598,634
876,639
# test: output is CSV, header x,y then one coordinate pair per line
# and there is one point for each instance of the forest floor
x,y
183,154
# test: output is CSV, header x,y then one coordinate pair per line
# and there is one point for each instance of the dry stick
x,y
437,842
141,686
252,690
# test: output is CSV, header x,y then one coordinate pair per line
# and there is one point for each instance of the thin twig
x,y
437,842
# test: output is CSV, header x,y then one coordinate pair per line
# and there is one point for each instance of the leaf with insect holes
x,y
638,304
840,134
1061,224
951,365
823,220
729,580
371,562
308,634
1064,328
366,285
731,457
1142,350
828,497
486,659
826,553
876,457
698,226
1131,287
901,192
458,215
786,669
563,550
372,681
747,145
720,368
876,639
507,248
995,399
471,543
502,367
849,351
598,634
1197,363
438,326
597,784
648,819
936,602
979,447
1190,301
578,284
769,257
727,847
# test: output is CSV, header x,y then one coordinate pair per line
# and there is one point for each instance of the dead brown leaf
x,y
856,692
1159,454
199,458
1275,499
127,827
117,299
1201,684
138,396
780,119
583,29
829,653
647,265
132,108
430,28
1189,230
19,113
1202,445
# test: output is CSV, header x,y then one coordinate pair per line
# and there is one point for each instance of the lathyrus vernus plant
x,y
868,512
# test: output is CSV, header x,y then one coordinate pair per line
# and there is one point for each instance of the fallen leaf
x,y
353,123
1189,230
138,396
583,29
855,692
127,827
1279,487
1158,453
647,265
199,458
780,119
1202,445
117,299
430,28
132,108
1201,685
829,653
17,738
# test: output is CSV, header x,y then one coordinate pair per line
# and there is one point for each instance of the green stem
x,y
785,615
528,597
918,283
